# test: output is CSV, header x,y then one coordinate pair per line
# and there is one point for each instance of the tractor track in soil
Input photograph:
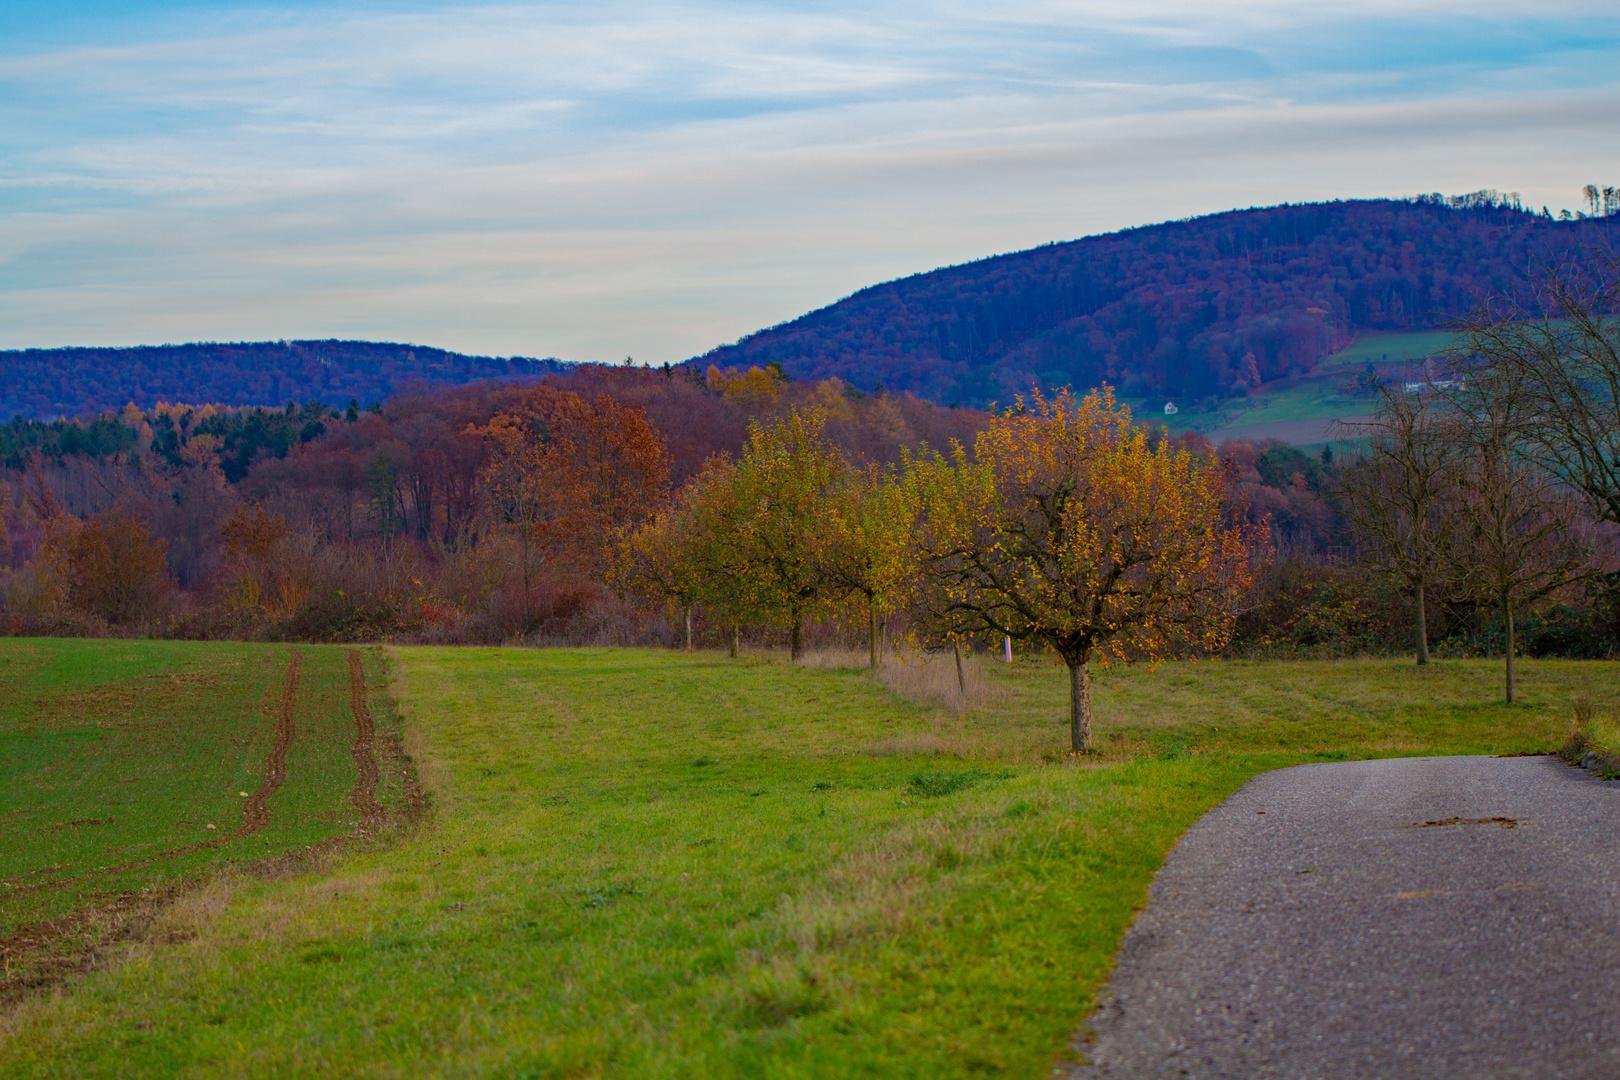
x,y
117,918
256,811
366,773
126,915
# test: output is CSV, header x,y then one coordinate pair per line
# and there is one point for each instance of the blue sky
x,y
599,180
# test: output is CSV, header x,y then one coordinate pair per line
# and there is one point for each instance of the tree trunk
x,y
871,626
686,612
961,679
798,636
1422,628
1080,704
1507,620
736,641
1006,646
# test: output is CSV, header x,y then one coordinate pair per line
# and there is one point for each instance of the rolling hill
x,y
1241,318
1203,310
41,383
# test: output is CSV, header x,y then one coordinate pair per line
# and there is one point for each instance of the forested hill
x,y
1184,309
40,383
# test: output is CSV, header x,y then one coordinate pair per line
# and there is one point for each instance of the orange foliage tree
x,y
111,566
257,558
1066,527
565,478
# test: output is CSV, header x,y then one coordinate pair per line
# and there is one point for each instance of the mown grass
x,y
645,864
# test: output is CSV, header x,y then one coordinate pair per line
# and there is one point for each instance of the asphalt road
x,y
1416,917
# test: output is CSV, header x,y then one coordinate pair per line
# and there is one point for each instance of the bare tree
x,y
1403,467
1520,533
1556,355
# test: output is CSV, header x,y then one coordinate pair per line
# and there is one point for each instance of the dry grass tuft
x,y
840,659
931,679
1594,739
200,908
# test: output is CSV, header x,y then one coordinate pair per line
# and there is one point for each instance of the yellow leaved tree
x,y
864,541
1068,528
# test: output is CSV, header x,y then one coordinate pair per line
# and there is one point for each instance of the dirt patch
x,y
364,793
41,955
122,704
1505,822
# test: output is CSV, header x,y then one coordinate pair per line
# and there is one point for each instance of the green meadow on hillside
x,y
652,864
1298,413
1390,348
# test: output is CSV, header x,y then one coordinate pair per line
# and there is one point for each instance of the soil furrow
x,y
256,811
364,793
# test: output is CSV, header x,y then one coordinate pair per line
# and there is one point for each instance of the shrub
x,y
112,567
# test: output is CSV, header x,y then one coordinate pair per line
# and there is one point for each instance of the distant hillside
x,y
41,383
1204,308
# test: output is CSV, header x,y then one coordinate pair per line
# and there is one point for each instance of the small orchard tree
x,y
779,496
1521,533
1067,528
866,539
715,529
1393,490
661,558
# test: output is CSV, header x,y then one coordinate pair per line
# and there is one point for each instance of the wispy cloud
x,y
596,180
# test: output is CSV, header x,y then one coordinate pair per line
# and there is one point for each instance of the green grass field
x,y
132,766
1390,348
647,864
1280,411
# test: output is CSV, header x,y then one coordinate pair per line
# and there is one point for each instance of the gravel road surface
x,y
1413,917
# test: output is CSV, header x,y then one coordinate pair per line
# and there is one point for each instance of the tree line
x,y
1063,527
1500,479
484,512
44,383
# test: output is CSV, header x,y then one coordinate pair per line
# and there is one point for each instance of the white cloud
x,y
591,181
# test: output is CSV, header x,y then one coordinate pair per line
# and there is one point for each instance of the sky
x,y
602,180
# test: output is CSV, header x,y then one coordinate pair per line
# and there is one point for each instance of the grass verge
x,y
647,864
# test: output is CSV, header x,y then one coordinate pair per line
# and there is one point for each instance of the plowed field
x,y
127,767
